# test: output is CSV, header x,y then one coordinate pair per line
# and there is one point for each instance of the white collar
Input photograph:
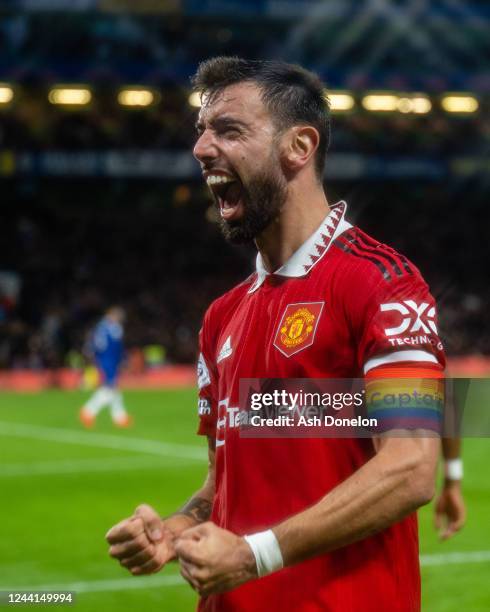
x,y
311,251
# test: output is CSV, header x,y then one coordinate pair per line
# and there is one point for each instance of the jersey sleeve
x,y
397,324
399,352
207,383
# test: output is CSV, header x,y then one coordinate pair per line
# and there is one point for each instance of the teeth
x,y
214,179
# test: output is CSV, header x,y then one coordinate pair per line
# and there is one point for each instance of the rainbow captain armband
x,y
266,550
405,398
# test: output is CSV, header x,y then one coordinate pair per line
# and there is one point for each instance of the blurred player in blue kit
x,y
107,349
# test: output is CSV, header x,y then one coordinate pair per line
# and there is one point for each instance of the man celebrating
x,y
296,524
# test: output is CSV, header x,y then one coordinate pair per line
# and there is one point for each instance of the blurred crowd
x,y
70,249
356,45
34,125
108,51
77,248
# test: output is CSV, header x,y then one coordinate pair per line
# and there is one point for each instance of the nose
x,y
205,149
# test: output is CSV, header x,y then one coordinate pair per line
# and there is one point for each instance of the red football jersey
x,y
341,306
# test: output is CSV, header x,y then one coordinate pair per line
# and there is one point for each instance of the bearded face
x,y
247,206
238,149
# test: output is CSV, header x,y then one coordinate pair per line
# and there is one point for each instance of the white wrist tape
x,y
267,553
454,469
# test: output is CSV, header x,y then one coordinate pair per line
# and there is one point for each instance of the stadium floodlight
x,y
70,96
6,93
137,97
340,101
195,99
380,102
405,105
402,103
459,103
421,105
414,104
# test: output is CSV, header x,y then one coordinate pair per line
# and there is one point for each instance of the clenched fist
x,y
144,543
213,560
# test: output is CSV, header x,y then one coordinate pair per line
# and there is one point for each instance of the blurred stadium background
x,y
102,202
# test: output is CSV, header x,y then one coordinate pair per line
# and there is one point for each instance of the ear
x,y
301,143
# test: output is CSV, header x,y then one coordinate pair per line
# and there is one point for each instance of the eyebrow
x,y
224,121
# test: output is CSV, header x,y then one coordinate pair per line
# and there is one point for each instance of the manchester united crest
x,y
298,326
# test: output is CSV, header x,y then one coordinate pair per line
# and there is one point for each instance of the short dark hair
x,y
291,94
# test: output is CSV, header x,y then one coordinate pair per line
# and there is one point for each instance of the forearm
x,y
387,488
451,448
198,508
195,511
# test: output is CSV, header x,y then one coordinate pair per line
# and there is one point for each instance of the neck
x,y
301,216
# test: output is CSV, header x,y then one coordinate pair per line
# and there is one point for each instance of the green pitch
x,y
63,487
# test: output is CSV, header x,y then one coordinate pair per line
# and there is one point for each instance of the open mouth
x,y
227,191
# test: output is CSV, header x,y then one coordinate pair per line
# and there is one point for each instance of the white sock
x,y
98,400
117,406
